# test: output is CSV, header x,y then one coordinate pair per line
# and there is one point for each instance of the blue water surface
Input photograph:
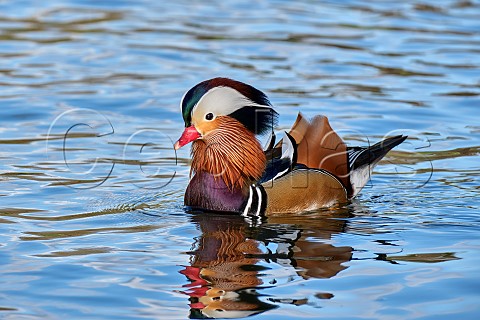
x,y
92,224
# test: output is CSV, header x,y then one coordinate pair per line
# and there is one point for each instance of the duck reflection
x,y
230,261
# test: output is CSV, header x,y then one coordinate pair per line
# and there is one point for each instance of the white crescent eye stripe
x,y
221,101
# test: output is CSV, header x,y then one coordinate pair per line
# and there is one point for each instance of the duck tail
x,y
362,160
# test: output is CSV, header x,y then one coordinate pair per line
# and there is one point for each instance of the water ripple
x,y
376,68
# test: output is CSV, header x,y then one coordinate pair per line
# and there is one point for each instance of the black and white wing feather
x,y
280,160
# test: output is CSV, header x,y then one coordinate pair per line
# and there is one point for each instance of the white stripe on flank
x,y
287,148
288,151
259,193
249,202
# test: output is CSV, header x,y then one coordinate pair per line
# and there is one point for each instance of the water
x,y
91,220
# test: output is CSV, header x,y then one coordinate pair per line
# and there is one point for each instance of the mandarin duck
x,y
308,169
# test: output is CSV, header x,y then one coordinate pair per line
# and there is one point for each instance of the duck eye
x,y
209,116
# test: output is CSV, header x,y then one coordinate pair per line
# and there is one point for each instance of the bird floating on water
x,y
308,169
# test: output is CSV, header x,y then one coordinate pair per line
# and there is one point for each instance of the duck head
x,y
204,105
222,118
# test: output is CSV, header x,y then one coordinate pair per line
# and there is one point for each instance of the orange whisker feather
x,y
231,152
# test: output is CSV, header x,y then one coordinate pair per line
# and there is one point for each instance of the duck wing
x,y
280,159
320,147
